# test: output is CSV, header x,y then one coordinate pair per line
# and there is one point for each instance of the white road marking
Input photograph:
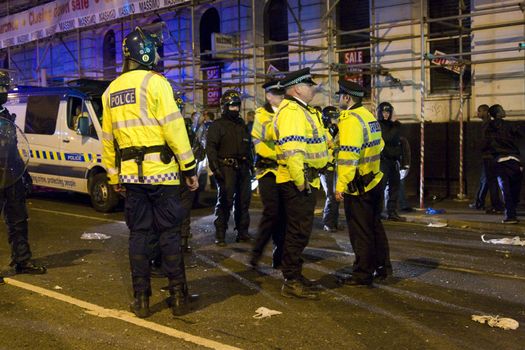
x,y
78,215
125,316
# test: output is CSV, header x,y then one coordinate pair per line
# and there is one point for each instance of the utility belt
x,y
359,183
233,162
138,153
264,163
310,174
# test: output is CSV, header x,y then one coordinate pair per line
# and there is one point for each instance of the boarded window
x,y
354,15
41,114
276,29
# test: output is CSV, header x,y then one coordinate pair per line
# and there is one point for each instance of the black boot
x,y
29,268
185,245
140,306
295,288
179,300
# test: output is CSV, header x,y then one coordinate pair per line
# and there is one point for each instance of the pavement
x,y
457,214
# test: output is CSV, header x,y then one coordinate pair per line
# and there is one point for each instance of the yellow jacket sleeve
x,y
173,127
350,145
107,141
292,140
262,134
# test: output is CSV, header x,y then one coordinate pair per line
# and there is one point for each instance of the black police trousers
x,y
13,206
234,192
299,208
509,177
187,197
273,222
391,178
154,209
367,235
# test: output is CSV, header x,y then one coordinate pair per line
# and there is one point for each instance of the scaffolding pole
x,y
461,195
422,128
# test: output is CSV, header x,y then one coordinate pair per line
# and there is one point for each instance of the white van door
x,y
80,153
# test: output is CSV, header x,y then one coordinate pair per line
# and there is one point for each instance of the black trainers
x,y
329,228
494,211
220,242
29,268
2,280
296,289
243,237
393,216
510,221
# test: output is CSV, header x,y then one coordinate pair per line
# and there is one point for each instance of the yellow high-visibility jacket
x,y
300,139
139,110
360,146
263,138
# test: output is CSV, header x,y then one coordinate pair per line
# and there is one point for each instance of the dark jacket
x,y
227,138
390,132
501,139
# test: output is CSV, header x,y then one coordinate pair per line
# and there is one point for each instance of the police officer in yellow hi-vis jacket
x,y
145,143
358,184
301,150
272,224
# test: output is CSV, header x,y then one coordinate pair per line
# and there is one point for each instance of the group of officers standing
x,y
148,155
149,160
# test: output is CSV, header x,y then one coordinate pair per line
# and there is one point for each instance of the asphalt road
x,y
443,276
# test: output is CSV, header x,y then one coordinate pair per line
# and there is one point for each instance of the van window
x,y
41,114
77,109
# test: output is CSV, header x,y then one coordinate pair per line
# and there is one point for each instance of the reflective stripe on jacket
x,y
360,146
300,139
263,139
139,111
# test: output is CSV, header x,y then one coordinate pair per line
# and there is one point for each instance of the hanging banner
x,y
354,74
449,63
212,86
65,15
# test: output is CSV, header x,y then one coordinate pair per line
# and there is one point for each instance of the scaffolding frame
x,y
327,33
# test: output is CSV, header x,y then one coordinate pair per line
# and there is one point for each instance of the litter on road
x,y
437,224
495,321
509,241
94,235
263,312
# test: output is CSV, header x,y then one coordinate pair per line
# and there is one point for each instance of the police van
x,y
63,126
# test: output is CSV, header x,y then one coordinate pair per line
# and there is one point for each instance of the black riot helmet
x,y
329,113
230,98
497,112
384,106
5,79
141,46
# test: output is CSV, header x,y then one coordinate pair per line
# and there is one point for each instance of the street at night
x,y
442,276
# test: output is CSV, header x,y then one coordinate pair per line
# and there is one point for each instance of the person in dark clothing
x,y
330,116
390,157
228,147
12,195
502,140
488,181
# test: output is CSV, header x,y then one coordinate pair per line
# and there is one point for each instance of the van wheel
x,y
103,198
